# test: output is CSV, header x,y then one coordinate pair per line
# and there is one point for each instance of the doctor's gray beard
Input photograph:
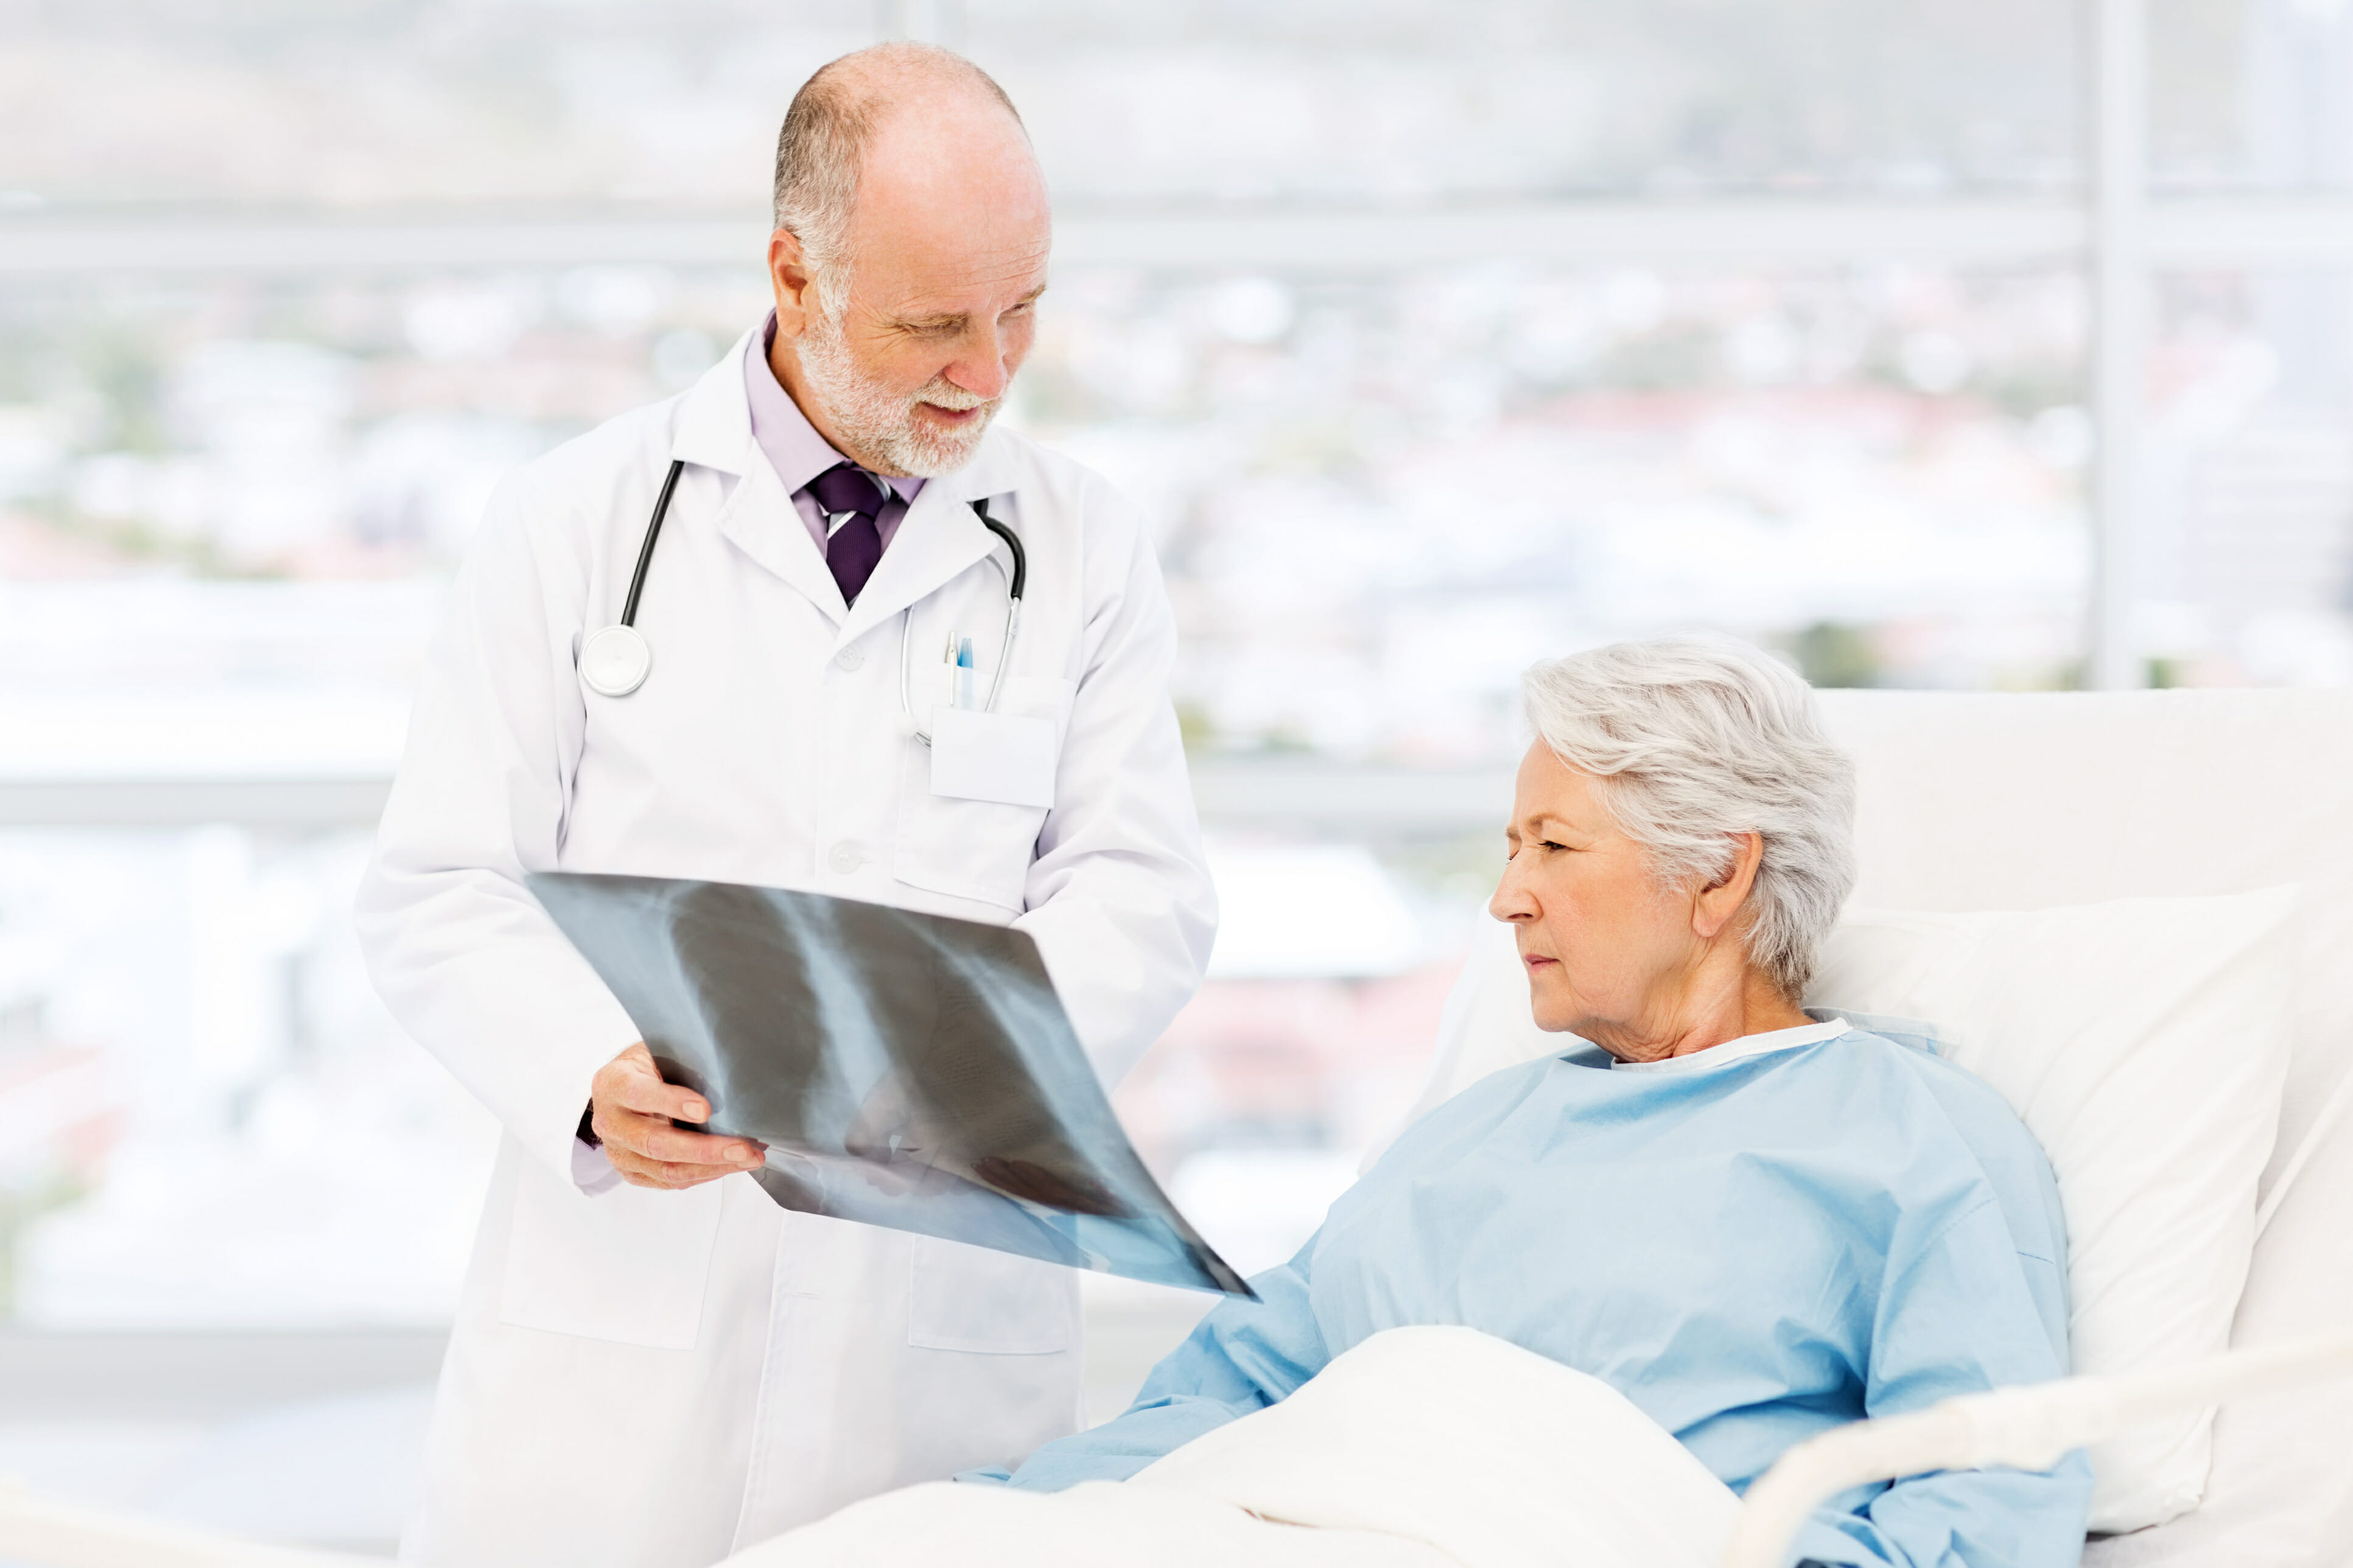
x,y
879,424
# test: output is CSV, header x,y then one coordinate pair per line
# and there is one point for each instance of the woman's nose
x,y
1510,900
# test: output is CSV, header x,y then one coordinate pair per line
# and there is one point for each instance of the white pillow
x,y
2144,1042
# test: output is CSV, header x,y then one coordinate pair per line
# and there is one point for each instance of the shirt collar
x,y
793,446
1745,1046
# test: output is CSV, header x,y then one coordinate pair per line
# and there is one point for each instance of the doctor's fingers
x,y
639,1172
632,1081
652,1138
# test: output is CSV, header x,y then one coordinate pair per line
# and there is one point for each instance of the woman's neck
x,y
1704,1018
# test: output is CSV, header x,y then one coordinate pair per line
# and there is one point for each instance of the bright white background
x,y
1996,343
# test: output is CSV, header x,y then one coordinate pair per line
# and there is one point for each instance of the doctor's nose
x,y
981,373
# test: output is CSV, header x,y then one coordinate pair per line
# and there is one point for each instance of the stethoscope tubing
x,y
1017,583
645,550
1020,585
1014,591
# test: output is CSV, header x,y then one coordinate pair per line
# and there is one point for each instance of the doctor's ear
x,y
789,275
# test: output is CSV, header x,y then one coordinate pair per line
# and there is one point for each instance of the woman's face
x,y
1609,955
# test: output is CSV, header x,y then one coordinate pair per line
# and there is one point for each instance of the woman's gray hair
x,y
822,150
1691,740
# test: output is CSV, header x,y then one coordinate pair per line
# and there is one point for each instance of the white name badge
x,y
1004,757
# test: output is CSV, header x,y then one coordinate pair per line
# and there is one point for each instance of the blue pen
x,y
964,673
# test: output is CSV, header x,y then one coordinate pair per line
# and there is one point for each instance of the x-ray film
x,y
904,1069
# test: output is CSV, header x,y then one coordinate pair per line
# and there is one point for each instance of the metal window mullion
x,y
2120,288
2247,230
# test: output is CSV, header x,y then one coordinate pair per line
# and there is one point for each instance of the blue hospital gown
x,y
1753,1244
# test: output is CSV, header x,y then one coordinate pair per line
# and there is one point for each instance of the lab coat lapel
x,y
714,431
714,419
760,520
938,539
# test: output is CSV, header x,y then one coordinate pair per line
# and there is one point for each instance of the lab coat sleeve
x,y
1959,1316
462,953
1244,1356
1119,897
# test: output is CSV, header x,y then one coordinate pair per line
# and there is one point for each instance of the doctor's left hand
x,y
632,1111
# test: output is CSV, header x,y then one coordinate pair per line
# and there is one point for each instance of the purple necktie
x,y
851,550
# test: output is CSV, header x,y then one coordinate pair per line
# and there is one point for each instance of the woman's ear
x,y
1719,902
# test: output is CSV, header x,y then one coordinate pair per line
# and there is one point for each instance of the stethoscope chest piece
x,y
616,661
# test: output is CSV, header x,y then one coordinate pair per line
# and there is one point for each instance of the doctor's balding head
x,y
911,241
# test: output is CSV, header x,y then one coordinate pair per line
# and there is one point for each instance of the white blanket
x,y
1423,1447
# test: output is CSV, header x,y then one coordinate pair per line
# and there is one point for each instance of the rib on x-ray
x,y
904,1069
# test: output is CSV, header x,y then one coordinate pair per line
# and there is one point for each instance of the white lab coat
x,y
649,1379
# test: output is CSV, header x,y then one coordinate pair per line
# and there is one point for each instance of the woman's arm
x,y
1960,1315
1244,1356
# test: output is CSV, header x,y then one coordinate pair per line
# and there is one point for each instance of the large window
x,y
1998,344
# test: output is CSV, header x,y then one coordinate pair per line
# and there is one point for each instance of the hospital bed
x,y
2010,802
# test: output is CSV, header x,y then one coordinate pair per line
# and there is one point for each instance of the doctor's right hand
x,y
631,1111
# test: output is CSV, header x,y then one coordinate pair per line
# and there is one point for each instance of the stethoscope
x,y
616,661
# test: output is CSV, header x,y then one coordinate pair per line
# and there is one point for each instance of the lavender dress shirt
x,y
799,454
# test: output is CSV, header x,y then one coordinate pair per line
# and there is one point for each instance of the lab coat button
x,y
849,658
845,859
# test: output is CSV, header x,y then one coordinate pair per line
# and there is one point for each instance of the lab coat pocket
x,y
628,1265
978,849
971,1299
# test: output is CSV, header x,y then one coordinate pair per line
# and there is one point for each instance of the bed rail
x,y
2029,1428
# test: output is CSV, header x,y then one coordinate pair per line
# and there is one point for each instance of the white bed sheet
x,y
1421,1447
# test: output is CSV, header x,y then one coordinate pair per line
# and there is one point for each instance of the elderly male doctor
x,y
655,1365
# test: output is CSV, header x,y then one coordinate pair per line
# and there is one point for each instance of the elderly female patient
x,y
1754,1225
